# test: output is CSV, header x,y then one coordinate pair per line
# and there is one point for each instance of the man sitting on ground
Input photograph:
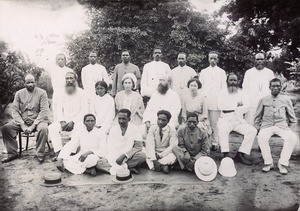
x,y
275,115
159,143
192,143
92,144
233,104
124,146
30,113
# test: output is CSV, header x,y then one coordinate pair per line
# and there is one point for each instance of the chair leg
x,y
27,140
20,144
48,144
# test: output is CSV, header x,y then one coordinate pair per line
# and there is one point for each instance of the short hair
x,y
192,114
214,52
157,47
93,51
183,53
125,110
125,50
73,73
87,115
29,75
103,84
196,80
230,74
274,80
165,112
60,54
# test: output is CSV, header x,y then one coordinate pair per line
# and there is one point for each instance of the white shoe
x,y
267,168
282,169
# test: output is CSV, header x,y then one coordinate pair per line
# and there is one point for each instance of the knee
x,y
5,129
175,149
141,155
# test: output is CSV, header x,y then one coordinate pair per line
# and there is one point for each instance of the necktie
x,y
160,134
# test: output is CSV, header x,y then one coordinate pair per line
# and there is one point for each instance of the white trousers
x,y
213,117
230,122
289,138
167,160
75,166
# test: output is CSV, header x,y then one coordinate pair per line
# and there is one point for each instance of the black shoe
x,y
10,158
41,158
134,171
165,169
92,171
157,165
214,148
240,157
55,156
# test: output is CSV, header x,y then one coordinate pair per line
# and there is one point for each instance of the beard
x,y
71,88
162,89
232,88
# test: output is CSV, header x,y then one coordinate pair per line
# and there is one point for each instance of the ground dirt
x,y
250,189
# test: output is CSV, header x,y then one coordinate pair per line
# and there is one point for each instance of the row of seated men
x,y
274,115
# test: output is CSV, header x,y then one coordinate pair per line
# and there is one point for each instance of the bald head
x,y
29,82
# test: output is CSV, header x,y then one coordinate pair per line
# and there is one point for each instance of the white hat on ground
x,y
205,168
227,167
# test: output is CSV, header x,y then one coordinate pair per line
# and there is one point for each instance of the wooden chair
x,y
27,136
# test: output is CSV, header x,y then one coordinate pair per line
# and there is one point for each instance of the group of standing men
x,y
163,137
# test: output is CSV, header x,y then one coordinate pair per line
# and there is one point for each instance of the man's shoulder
x,y
40,90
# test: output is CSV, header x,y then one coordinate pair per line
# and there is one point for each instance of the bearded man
x,y
163,99
71,109
30,113
233,104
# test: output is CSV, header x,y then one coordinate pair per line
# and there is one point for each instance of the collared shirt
x,y
256,84
150,77
154,143
58,79
72,107
119,72
33,105
195,142
277,111
180,77
104,110
213,81
90,75
128,144
94,140
169,101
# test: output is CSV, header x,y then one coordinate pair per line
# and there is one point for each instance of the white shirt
x,y
58,79
256,84
104,110
213,80
151,74
90,75
169,101
94,140
180,77
72,107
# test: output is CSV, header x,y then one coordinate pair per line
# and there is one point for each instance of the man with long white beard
x,y
163,99
70,109
233,104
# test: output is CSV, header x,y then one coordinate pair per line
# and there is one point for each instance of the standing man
x,y
193,143
213,80
91,74
181,75
71,109
159,143
151,73
275,115
30,113
233,104
255,84
121,69
58,81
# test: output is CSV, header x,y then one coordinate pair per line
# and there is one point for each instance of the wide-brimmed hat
x,y
52,179
206,168
132,76
123,176
227,167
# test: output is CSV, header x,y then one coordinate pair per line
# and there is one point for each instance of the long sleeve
x,y
105,76
183,112
16,110
83,78
204,114
259,114
144,82
204,148
44,109
150,144
140,107
115,82
70,147
137,146
291,117
246,84
181,143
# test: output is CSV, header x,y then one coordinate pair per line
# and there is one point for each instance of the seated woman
x,y
103,107
130,99
196,102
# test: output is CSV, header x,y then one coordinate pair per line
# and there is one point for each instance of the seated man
x,y
30,113
92,144
275,115
233,104
192,143
71,108
159,143
124,146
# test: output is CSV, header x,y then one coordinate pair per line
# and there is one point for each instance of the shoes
x,y
157,165
10,158
55,156
41,158
92,171
165,169
282,169
240,157
214,148
267,168
134,171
